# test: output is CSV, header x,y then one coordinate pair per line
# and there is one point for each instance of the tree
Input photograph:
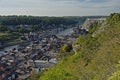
x,y
66,48
36,28
3,28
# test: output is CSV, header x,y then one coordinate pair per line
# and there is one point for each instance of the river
x,y
62,33
8,49
65,32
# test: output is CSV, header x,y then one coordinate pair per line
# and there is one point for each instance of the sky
x,y
59,7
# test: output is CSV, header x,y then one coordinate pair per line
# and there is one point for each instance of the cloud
x,y
59,7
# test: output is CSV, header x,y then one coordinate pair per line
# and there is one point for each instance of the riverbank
x,y
39,55
13,43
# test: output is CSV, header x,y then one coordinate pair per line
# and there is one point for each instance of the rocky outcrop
x,y
91,21
101,29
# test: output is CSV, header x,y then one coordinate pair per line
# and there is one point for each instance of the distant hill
x,y
36,20
97,58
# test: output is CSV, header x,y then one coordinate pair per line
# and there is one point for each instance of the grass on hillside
x,y
96,58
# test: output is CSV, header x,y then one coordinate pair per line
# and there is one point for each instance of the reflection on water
x,y
8,49
65,32
62,33
11,47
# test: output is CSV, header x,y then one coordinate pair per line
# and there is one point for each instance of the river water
x,y
8,49
65,32
62,33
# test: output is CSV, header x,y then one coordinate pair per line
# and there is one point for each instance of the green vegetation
x,y
35,20
66,50
4,37
3,28
114,18
34,75
96,57
36,28
13,27
42,21
94,28
116,74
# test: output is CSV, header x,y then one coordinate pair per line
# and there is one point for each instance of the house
x,y
7,72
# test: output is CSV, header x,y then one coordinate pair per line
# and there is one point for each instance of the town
x,y
38,54
59,39
40,50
